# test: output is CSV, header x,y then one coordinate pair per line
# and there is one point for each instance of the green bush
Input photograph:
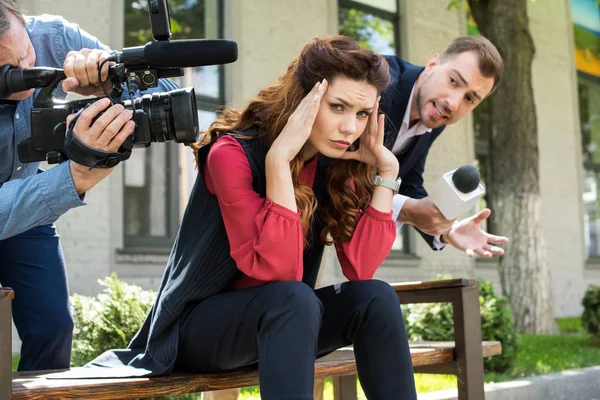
x,y
591,310
569,325
109,320
434,321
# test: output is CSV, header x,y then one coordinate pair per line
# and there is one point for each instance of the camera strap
x,y
83,154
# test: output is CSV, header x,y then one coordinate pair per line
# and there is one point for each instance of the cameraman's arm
x,y
37,200
77,39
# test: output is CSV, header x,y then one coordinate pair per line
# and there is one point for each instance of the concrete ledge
x,y
581,384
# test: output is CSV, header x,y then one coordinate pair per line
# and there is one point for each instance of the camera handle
x,y
83,154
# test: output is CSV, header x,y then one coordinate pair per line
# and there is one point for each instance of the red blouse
x,y
266,239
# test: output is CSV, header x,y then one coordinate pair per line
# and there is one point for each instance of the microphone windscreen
x,y
466,178
190,53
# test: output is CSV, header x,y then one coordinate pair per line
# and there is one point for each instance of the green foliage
x,y
569,325
546,354
426,383
109,320
454,5
586,40
591,310
434,321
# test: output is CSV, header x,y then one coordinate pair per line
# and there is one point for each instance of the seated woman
x,y
293,171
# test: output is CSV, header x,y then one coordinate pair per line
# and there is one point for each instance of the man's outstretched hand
x,y
466,235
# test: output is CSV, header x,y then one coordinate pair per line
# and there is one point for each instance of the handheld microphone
x,y
457,191
178,53
15,80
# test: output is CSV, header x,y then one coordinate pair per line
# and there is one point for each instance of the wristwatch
x,y
394,185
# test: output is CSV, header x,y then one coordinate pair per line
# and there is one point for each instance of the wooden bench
x,y
463,357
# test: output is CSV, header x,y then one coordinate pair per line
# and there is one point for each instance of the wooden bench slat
x,y
31,385
490,348
441,284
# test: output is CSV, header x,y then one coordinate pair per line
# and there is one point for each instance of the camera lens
x,y
171,115
186,115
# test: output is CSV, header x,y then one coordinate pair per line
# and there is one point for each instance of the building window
x,y
374,25
153,176
589,112
586,32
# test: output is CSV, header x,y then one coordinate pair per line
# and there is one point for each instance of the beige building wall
x,y
269,34
555,88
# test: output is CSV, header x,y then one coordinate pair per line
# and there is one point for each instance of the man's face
x,y
448,91
16,50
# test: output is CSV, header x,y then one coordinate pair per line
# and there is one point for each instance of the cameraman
x,y
31,258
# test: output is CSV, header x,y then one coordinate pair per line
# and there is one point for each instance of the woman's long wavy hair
x,y
349,182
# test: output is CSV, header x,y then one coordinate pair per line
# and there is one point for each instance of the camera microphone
x,y
15,80
178,53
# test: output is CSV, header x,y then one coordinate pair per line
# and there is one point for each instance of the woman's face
x,y
342,117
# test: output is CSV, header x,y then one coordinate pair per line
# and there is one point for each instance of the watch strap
x,y
392,184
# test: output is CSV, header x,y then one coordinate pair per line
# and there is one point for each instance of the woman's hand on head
x,y
299,126
371,149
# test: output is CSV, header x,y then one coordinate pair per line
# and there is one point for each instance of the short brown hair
x,y
8,8
490,60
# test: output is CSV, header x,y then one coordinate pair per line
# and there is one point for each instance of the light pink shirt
x,y
405,135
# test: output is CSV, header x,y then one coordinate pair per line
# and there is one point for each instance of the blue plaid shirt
x,y
30,197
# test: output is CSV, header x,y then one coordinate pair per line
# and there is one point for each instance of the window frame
x,y
588,165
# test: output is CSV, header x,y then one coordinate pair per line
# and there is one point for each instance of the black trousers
x,y
285,326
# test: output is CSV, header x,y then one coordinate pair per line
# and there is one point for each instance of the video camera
x,y
158,117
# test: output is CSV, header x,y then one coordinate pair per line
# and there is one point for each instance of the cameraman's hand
x,y
107,133
81,69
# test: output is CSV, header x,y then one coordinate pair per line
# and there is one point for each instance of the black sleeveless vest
x,y
200,266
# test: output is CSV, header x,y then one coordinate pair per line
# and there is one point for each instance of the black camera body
x,y
158,117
